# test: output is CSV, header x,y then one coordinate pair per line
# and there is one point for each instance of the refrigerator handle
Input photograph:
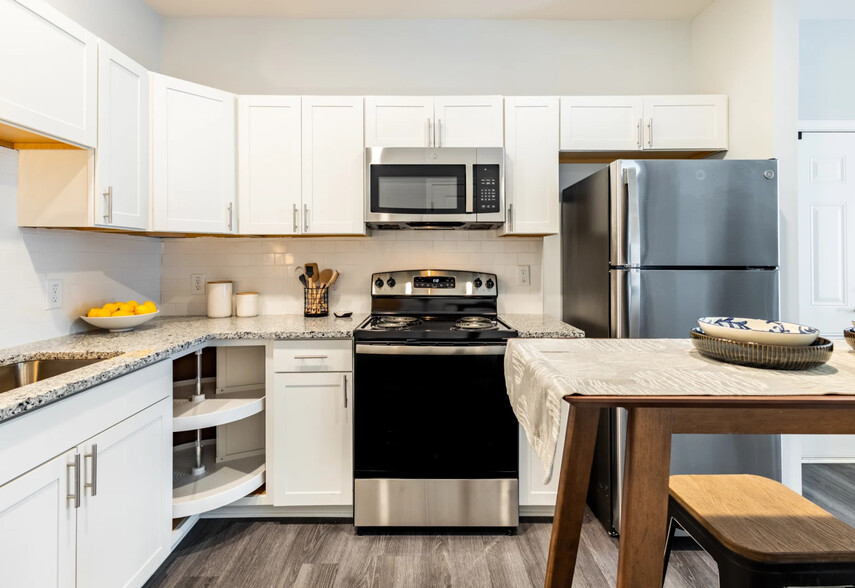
x,y
633,221
633,302
625,303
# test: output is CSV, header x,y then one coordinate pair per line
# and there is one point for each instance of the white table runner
x,y
540,372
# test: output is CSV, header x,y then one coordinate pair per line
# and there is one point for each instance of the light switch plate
x,y
53,294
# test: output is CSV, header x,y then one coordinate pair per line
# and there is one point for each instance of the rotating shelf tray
x,y
215,409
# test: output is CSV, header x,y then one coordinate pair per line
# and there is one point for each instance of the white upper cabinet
x,y
686,122
48,72
531,166
270,165
468,121
399,121
333,165
601,123
193,157
122,163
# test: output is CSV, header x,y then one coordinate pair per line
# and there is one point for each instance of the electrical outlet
x,y
53,294
197,284
524,274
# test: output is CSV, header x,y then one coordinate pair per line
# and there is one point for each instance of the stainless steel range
x,y
435,439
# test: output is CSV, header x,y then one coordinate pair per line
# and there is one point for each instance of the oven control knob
x,y
390,282
477,282
378,283
490,284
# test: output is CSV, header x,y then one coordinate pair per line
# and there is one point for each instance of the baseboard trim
x,y
537,511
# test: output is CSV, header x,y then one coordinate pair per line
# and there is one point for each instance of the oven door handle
x,y
430,349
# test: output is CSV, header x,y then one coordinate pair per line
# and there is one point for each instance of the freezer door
x,y
705,212
651,303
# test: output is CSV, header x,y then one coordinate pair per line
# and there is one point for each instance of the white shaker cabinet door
x,y
399,121
38,523
193,150
601,123
48,72
531,165
125,521
333,165
269,165
468,121
686,122
122,164
533,491
312,439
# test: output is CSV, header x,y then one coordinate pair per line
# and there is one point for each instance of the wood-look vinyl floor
x,y
229,553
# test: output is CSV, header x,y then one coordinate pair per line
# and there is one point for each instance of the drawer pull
x,y
310,357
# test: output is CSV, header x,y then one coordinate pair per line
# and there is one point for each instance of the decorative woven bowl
x,y
850,337
761,355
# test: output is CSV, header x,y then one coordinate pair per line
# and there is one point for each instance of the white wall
x,y
269,56
827,69
95,268
732,53
267,266
131,26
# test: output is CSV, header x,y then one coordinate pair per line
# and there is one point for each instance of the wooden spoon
x,y
326,275
332,279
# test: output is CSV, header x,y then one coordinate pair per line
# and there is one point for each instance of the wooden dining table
x,y
645,378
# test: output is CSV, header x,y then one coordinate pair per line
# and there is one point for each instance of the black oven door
x,y
418,189
433,411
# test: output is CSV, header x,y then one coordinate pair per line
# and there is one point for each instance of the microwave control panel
x,y
487,182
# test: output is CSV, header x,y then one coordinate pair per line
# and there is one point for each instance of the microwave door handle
x,y
470,188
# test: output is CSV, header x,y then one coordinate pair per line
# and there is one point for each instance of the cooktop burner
x,y
394,327
475,323
395,322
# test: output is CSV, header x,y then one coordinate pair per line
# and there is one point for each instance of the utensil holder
x,y
316,302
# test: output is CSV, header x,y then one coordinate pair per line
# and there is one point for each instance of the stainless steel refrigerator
x,y
647,248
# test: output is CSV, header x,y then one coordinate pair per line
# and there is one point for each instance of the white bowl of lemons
x,y
121,316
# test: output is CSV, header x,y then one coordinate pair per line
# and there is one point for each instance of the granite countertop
x,y
540,326
152,342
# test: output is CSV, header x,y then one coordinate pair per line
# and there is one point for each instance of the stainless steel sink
x,y
22,373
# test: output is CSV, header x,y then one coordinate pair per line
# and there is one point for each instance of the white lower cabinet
x,y
313,420
533,492
38,526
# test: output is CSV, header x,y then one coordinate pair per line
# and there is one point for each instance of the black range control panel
x,y
487,188
434,282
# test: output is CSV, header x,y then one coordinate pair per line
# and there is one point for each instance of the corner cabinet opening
x,y
218,429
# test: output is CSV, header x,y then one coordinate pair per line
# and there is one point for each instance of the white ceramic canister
x,y
220,299
246,304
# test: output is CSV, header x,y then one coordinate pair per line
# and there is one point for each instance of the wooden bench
x,y
760,533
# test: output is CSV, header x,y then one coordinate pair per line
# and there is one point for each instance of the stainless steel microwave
x,y
425,188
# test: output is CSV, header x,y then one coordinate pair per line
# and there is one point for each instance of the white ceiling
x,y
488,9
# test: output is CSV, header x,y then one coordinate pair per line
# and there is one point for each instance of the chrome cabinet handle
x,y
310,357
428,131
108,205
439,132
650,132
76,484
639,140
306,218
511,216
93,485
229,208
294,217
344,385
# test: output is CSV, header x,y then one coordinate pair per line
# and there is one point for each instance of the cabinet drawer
x,y
313,356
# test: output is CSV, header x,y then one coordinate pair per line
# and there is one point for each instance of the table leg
x,y
644,513
576,462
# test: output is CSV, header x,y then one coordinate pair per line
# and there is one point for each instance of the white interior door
x,y
124,524
601,123
269,165
399,121
38,526
123,134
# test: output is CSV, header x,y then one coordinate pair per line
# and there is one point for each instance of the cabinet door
x,y
122,165
468,121
601,123
399,121
124,524
193,150
312,438
533,492
333,165
269,165
48,72
531,165
38,526
685,122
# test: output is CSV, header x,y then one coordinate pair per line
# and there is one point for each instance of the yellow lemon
x,y
94,312
143,309
104,313
151,305
122,313
132,303
111,307
127,307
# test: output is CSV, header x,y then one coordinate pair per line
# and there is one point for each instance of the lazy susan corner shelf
x,y
214,409
221,483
